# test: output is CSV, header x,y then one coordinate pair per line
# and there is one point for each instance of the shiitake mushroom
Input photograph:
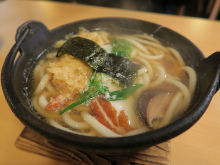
x,y
152,106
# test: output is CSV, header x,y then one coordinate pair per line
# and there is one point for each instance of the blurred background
x,y
195,8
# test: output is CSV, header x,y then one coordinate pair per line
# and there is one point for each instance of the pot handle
x,y
211,65
26,30
33,27
9,61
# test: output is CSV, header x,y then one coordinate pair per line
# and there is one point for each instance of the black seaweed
x,y
96,57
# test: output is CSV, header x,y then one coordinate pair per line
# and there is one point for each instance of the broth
x,y
160,91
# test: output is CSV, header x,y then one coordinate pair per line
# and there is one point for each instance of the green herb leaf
x,y
92,78
123,93
121,47
74,105
95,88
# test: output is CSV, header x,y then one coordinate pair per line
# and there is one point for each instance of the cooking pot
x,y
33,38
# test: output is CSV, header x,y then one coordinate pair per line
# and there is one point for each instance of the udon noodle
x,y
167,86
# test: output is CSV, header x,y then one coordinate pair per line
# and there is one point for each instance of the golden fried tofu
x,y
70,75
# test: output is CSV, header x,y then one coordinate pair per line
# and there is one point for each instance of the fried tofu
x,y
70,75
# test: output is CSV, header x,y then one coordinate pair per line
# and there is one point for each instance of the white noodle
x,y
137,131
107,47
133,118
143,77
176,54
36,105
50,88
104,131
100,41
183,89
161,76
146,64
140,80
42,83
57,125
72,123
142,71
148,43
138,45
146,79
192,78
172,109
42,101
173,77
133,52
150,57
39,71
148,37
104,37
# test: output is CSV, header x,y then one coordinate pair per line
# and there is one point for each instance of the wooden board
x,y
33,142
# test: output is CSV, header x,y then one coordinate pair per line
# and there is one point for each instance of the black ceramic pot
x,y
33,38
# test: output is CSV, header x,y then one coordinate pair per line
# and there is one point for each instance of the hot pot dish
x,y
108,85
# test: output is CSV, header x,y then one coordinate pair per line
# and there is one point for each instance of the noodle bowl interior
x,y
75,96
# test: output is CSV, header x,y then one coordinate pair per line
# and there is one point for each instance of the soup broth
x,y
85,97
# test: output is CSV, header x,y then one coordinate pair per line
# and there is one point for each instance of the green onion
x,y
95,88
92,78
123,93
74,104
121,47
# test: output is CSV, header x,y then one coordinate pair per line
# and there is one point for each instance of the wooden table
x,y
197,146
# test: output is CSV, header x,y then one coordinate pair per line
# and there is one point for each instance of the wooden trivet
x,y
33,142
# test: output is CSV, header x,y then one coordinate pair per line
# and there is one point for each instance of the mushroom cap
x,y
152,105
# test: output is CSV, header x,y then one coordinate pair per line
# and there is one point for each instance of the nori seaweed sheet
x,y
96,57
